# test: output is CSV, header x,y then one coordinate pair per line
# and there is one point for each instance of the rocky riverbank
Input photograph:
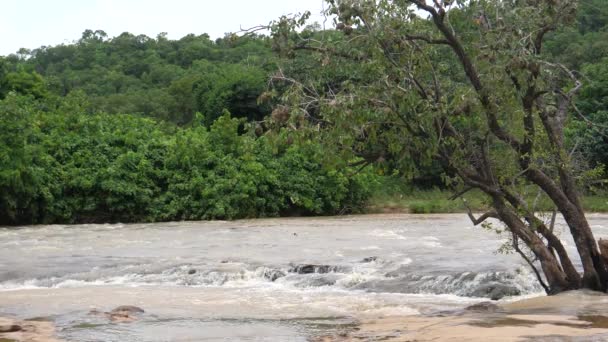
x,y
36,330
13,330
574,316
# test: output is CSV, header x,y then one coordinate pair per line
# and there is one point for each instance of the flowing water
x,y
255,280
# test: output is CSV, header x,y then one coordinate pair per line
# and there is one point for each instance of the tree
x,y
3,81
233,87
464,84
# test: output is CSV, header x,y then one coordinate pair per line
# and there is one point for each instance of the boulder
x,y
273,275
369,259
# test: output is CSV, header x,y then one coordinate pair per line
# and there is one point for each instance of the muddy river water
x,y
256,280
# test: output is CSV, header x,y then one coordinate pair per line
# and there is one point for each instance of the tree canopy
x,y
467,86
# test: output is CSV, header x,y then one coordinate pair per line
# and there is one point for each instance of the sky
x,y
34,23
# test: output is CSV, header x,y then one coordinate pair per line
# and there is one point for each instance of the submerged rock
x,y
309,268
369,259
31,331
318,280
121,314
128,309
95,312
273,275
487,307
121,317
8,328
192,271
495,291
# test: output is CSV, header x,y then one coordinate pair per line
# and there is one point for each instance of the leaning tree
x,y
460,83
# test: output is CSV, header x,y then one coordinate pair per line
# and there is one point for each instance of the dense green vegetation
x,y
139,129
133,128
66,165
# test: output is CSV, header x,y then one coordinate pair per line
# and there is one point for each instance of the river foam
x,y
205,273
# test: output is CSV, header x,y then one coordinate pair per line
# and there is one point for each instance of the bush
x,y
65,166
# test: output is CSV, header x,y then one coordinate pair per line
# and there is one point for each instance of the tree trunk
x,y
557,281
604,249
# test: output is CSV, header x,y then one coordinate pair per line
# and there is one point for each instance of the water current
x,y
256,280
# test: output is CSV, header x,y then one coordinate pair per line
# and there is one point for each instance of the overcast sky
x,y
33,23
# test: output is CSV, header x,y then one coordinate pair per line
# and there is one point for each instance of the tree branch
x,y
525,257
482,218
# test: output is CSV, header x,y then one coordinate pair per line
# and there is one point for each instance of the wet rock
x,y
192,271
321,281
369,259
121,314
9,328
273,275
125,313
121,317
33,331
308,269
128,309
303,269
487,307
495,291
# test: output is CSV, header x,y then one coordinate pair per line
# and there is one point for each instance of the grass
x,y
596,203
393,197
423,202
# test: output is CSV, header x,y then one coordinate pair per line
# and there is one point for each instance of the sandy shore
x,y
575,316
572,316
506,328
13,330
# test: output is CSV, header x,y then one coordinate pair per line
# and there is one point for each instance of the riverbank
x,y
13,330
570,316
573,316
439,202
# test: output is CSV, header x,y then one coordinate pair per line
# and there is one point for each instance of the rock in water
x,y
308,269
273,275
128,309
192,271
369,259
9,328
488,307
121,318
495,291
124,314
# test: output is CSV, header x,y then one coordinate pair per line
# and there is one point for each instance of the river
x,y
256,280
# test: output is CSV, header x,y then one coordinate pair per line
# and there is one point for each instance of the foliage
x,y
133,128
465,85
64,165
158,77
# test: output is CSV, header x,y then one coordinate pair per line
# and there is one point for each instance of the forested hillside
x,y
133,128
139,129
